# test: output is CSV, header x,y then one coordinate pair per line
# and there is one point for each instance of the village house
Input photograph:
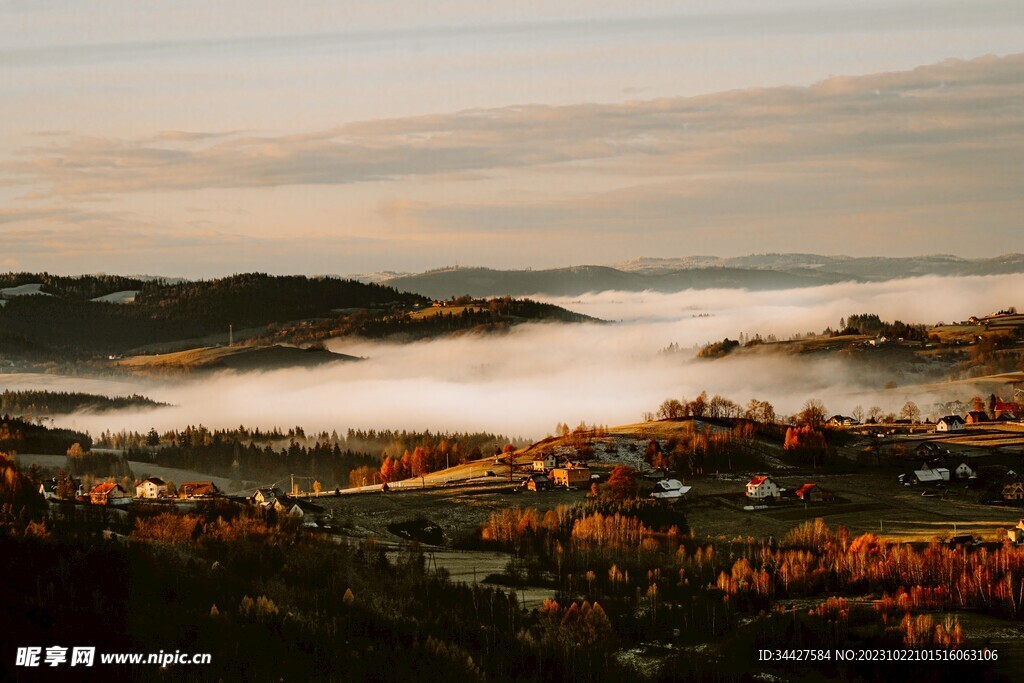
x,y
544,463
265,495
669,489
108,493
928,450
1007,408
1014,491
1016,534
809,493
309,513
50,490
571,474
536,482
841,421
931,475
198,489
949,423
763,488
963,471
153,487
977,417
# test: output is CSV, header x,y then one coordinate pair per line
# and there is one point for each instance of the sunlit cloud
x,y
523,382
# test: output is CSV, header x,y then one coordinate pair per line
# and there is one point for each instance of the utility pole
x,y
231,335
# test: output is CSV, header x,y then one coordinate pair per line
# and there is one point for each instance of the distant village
x,y
64,494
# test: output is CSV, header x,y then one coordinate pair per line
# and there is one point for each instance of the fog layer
x,y
523,382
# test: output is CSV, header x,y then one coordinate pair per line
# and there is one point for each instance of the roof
x,y
1008,406
268,490
934,474
198,488
951,419
288,502
155,480
670,488
978,415
105,488
804,490
757,481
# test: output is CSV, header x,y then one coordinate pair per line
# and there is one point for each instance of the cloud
x,y
896,125
894,162
523,382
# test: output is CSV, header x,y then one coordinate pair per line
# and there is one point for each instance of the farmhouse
x,y
841,421
670,489
50,490
264,495
763,488
108,494
1007,407
153,487
976,417
964,471
544,463
928,450
571,474
536,482
949,423
1014,491
1016,534
931,475
308,512
198,489
809,493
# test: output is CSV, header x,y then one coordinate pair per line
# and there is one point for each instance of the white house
x,y
153,487
950,423
670,489
963,471
268,494
762,488
548,462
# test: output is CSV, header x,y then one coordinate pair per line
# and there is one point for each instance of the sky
x,y
199,139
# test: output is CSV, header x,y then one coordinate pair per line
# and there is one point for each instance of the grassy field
x,y
442,310
231,357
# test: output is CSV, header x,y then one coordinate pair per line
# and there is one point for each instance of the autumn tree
x,y
911,412
806,443
813,413
670,409
621,483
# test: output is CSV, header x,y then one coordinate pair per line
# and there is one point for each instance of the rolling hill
x,y
232,358
756,272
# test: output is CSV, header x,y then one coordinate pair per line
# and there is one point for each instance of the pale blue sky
x,y
200,138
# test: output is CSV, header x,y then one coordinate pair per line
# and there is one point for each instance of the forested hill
x,y
165,312
46,318
83,287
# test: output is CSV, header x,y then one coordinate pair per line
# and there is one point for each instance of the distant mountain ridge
x,y
756,271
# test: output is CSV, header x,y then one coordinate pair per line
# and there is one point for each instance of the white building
x,y
153,487
548,462
950,423
763,488
963,471
670,489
